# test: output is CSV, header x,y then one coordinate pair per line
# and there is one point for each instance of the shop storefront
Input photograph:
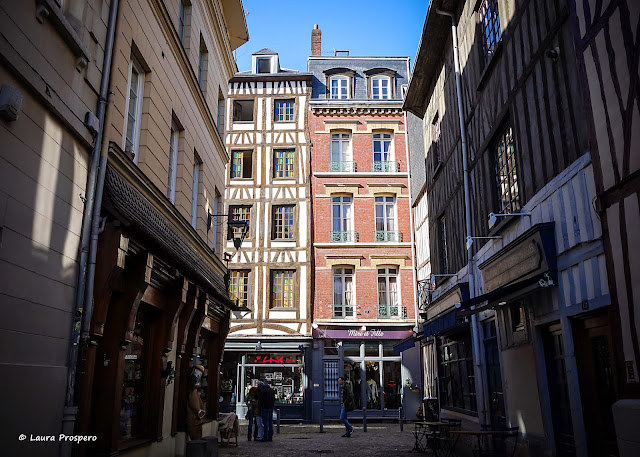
x,y
367,362
281,365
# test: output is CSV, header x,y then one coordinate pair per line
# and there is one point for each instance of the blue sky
x,y
371,28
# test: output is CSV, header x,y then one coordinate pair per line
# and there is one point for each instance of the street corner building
x,y
363,276
268,186
524,195
112,158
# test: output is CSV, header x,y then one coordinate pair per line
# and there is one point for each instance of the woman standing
x,y
252,404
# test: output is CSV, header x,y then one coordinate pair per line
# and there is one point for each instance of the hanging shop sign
x,y
369,334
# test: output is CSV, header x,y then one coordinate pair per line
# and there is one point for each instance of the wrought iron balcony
x,y
386,236
342,311
343,236
385,166
342,166
391,312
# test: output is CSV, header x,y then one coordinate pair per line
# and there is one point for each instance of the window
x,y
388,293
442,244
239,287
491,32
341,159
264,64
506,173
283,110
217,242
203,60
282,288
341,215
283,163
339,87
331,387
195,189
343,302
182,21
283,223
457,380
383,153
134,108
243,111
385,211
435,149
239,213
173,162
221,116
380,87
241,164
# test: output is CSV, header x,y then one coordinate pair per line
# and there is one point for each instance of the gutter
x,y
83,308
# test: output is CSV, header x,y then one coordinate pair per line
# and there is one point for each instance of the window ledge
x,y
50,9
242,122
488,69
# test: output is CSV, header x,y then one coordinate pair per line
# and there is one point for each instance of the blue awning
x,y
441,323
405,344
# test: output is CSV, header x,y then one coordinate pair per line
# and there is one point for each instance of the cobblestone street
x,y
305,440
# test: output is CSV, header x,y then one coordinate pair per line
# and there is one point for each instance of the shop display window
x,y
457,380
204,361
392,382
228,372
353,382
371,349
133,383
286,381
351,349
372,370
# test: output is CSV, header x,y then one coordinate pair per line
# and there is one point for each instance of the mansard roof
x,y
265,51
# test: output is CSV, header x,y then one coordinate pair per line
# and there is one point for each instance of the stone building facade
x,y
363,280
151,298
268,185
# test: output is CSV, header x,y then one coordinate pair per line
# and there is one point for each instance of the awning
x,y
492,299
441,324
405,344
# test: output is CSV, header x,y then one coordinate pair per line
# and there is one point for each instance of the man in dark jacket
x,y
346,404
266,400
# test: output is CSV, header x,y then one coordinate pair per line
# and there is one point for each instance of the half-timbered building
x,y
518,324
363,282
268,186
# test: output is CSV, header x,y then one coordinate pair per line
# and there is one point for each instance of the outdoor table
x,y
421,434
479,434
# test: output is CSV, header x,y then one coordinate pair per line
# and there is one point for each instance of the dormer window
x,y
263,65
380,88
339,87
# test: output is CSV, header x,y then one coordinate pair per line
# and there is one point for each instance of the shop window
x,y
353,382
387,350
282,371
373,393
228,372
203,354
392,382
330,347
133,389
371,349
331,388
457,380
515,324
351,349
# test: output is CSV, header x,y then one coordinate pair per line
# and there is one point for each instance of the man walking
x,y
266,400
346,404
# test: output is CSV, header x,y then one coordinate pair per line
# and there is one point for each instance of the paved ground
x,y
380,440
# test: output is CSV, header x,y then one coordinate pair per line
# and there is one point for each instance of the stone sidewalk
x,y
380,440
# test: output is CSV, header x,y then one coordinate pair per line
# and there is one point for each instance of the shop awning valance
x,y
405,344
441,324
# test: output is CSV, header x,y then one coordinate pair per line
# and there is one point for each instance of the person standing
x,y
346,404
252,400
267,400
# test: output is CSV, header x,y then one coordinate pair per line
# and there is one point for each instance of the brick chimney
x,y
316,41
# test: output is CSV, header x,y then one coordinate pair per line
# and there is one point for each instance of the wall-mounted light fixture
x,y
493,218
232,224
471,238
259,346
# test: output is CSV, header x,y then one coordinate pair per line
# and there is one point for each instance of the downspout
x,y
93,181
467,210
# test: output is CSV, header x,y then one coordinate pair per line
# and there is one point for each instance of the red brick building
x,y
363,277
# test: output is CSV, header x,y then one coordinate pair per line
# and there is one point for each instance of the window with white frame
x,y
490,22
388,292
339,87
263,64
383,153
195,189
343,300
385,211
380,87
173,162
283,110
342,219
135,94
239,287
341,157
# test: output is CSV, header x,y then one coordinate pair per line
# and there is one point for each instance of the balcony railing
x,y
386,236
343,236
342,166
385,166
391,312
342,311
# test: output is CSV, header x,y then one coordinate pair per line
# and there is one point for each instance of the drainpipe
x,y
93,181
467,210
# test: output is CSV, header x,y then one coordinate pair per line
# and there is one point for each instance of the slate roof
x,y
265,51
